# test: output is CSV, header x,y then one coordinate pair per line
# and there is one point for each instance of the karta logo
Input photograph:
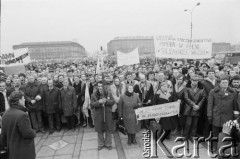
x,y
151,145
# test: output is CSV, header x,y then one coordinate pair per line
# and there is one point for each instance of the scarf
x,y
128,94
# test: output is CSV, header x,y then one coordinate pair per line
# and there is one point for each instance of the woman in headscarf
x,y
127,103
17,134
163,96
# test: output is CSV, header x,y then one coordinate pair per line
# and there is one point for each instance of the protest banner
x,y
177,48
158,111
128,58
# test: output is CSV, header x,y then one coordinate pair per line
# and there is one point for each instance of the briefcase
x,y
121,127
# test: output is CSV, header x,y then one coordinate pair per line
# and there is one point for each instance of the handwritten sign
x,y
128,58
158,111
171,47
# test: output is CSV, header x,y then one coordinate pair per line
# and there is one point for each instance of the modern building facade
x,y
61,50
145,45
220,47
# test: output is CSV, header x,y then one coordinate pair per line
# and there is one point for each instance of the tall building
x,y
145,45
61,50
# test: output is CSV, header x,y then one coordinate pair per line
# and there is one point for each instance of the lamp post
x,y
191,12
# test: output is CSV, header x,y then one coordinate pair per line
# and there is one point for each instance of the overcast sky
x,y
93,23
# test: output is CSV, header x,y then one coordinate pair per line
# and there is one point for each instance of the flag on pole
x,y
87,101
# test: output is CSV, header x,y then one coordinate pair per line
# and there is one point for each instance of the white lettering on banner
x,y
128,58
170,47
158,111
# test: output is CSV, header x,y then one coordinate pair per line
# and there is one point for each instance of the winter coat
x,y
17,134
51,100
32,90
145,95
68,100
100,125
221,106
126,107
192,98
167,123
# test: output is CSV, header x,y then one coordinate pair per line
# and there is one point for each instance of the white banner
x,y
177,48
158,111
128,58
20,52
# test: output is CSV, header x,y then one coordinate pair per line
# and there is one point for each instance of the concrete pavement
x,y
82,143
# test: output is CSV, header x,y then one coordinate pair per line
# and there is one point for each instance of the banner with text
x,y
128,58
177,48
158,111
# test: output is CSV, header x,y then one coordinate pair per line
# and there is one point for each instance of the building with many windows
x,y
61,50
145,45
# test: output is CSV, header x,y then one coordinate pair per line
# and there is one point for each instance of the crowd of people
x,y
58,96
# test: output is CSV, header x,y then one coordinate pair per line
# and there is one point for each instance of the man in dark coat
x,y
77,87
222,106
209,83
68,103
194,97
17,134
3,97
102,102
33,97
51,105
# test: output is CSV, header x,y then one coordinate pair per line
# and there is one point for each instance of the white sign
x,y
177,48
128,58
158,111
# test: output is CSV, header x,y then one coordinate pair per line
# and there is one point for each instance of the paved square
x,y
83,144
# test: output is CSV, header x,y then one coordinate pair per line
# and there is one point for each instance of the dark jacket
x,y
192,98
221,106
2,103
100,126
68,101
179,94
17,134
77,88
146,94
51,100
32,90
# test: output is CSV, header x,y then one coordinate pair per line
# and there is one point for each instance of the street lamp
x,y
191,11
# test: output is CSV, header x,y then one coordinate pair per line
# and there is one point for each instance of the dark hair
x,y
211,70
225,77
14,97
